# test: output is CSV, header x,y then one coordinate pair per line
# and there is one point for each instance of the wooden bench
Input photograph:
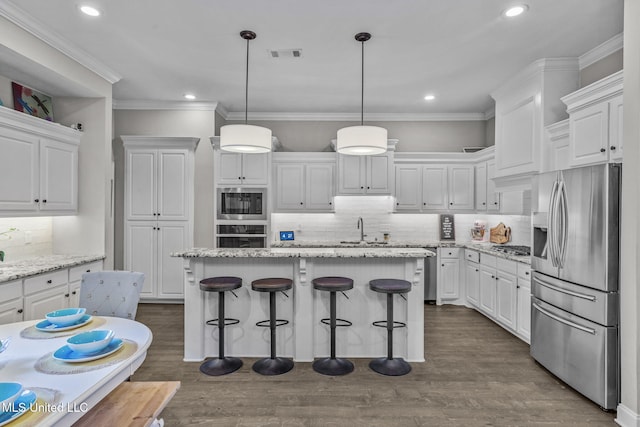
x,y
135,403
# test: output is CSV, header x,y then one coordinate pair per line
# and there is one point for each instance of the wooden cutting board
x,y
500,234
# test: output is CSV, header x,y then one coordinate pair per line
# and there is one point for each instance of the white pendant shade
x,y
245,139
362,140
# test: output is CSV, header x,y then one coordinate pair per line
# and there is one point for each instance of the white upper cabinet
x,y
556,151
524,106
481,186
304,182
493,197
408,187
157,187
461,187
365,174
39,165
434,187
595,122
243,169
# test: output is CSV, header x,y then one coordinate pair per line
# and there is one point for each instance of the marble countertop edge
x,y
14,270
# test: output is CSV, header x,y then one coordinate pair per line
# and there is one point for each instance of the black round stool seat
x,y
333,365
390,365
273,284
221,365
332,284
272,365
390,286
220,284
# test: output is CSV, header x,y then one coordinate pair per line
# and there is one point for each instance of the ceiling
x,y
458,50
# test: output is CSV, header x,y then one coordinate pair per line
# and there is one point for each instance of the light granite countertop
x,y
306,252
484,247
13,270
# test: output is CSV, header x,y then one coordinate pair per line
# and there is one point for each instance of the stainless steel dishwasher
x,y
430,277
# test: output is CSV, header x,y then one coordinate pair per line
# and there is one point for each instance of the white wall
x,y
629,409
199,124
376,211
14,244
413,136
602,68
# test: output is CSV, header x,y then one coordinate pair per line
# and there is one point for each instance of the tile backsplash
x,y
378,216
16,244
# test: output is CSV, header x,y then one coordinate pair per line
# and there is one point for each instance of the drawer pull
x,y
20,310
73,293
526,273
49,281
89,271
66,295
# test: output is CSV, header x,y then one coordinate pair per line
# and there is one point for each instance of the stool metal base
x,y
223,366
392,367
335,366
277,366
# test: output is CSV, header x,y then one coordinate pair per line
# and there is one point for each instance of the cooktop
x,y
513,249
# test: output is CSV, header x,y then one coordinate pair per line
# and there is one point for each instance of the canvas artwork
x,y
32,102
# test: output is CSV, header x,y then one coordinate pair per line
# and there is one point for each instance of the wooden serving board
x,y
500,234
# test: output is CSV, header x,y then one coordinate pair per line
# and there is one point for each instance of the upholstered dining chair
x,y
111,293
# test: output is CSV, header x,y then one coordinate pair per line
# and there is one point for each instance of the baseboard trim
x,y
626,417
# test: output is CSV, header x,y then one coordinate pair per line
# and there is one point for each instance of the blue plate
x,y
20,407
47,326
65,354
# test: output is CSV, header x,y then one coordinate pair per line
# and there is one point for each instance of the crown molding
x,y
599,52
490,113
128,104
355,117
224,113
39,29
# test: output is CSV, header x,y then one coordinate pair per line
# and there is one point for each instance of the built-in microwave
x,y
242,203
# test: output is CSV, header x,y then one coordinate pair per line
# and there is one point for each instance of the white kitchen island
x,y
304,338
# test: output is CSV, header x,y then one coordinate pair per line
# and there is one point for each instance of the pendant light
x,y
245,138
362,140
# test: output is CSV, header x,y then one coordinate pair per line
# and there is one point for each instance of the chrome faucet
x,y
360,226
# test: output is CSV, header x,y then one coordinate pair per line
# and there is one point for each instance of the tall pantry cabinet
x,y
158,209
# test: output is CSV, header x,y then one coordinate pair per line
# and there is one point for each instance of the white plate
x,y
65,354
47,326
21,406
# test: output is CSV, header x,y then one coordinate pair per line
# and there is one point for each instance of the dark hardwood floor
x,y
475,374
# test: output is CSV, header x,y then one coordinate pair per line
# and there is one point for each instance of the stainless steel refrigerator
x,y
575,258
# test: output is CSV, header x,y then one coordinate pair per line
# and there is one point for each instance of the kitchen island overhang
x,y
304,338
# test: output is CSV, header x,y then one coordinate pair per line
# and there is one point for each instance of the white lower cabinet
x,y
506,299
448,288
472,276
523,296
41,303
487,290
35,296
11,308
149,245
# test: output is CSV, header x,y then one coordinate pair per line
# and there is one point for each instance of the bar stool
x,y
332,365
272,365
390,365
221,365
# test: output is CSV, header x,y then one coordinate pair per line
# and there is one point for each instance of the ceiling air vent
x,y
286,53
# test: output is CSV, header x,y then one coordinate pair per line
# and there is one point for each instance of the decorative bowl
x,y
66,316
90,341
9,392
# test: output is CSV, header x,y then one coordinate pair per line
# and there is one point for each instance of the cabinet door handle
x,y
517,286
20,310
493,277
73,293
451,203
89,271
49,281
602,150
154,214
612,148
526,273
361,187
497,278
66,295
244,177
476,269
443,265
425,203
495,203
330,203
44,201
397,204
368,188
302,203
37,200
483,203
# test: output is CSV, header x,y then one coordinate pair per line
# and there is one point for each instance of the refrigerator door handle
x,y
551,225
564,321
564,291
564,223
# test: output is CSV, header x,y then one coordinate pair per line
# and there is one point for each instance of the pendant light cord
x,y
246,88
362,88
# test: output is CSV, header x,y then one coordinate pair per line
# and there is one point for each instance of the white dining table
x,y
78,392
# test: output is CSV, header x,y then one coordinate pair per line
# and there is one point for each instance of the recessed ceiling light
x,y
515,10
89,10
189,96
430,97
